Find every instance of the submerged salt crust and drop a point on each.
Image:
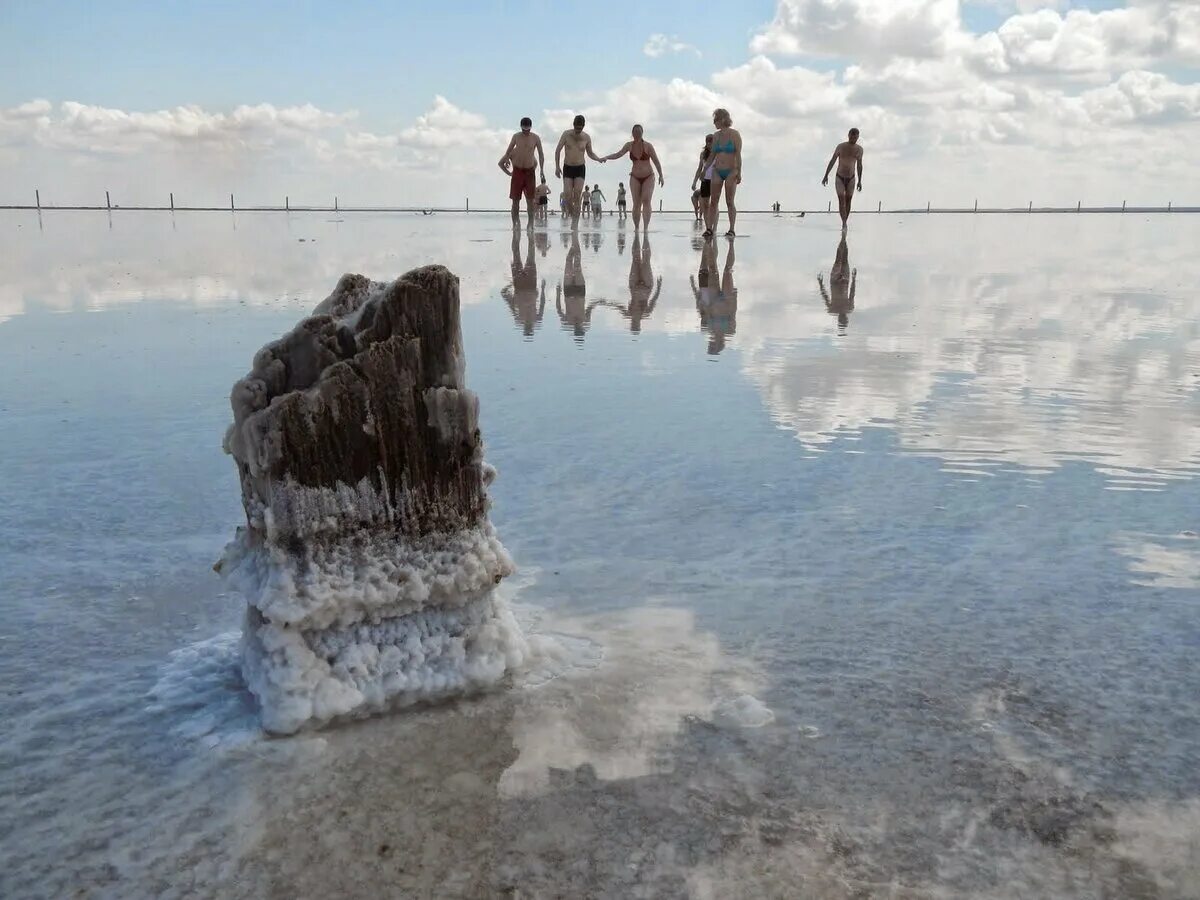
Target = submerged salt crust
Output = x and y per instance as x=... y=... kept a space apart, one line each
x=984 y=684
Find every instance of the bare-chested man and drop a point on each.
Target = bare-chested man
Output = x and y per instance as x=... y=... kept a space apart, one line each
x=518 y=163
x=848 y=156
x=575 y=144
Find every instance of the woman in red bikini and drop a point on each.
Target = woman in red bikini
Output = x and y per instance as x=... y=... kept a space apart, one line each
x=641 y=178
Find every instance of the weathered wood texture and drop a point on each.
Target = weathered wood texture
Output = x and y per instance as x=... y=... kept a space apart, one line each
x=369 y=388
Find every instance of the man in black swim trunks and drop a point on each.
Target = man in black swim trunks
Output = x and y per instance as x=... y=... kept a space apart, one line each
x=543 y=200
x=848 y=156
x=575 y=143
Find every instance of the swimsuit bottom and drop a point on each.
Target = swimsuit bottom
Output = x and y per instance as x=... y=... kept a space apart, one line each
x=574 y=171
x=522 y=182
x=705 y=188
x=543 y=201
x=723 y=174
x=844 y=185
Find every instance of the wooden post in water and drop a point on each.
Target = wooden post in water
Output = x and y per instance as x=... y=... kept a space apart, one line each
x=38 y=199
x=231 y=202
x=976 y=204
x=1122 y=206
x=468 y=204
x=107 y=202
x=1079 y=206
x=335 y=205
x=287 y=202
x=880 y=208
x=828 y=206
x=358 y=451
x=172 y=201
x=928 y=205
x=1031 y=206
x=1168 y=206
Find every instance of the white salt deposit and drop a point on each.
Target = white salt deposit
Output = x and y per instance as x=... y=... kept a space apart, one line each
x=311 y=678
x=363 y=577
x=745 y=711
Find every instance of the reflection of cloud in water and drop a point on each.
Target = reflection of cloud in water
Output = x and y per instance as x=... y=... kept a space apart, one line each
x=1168 y=561
x=1049 y=361
x=658 y=672
x=205 y=261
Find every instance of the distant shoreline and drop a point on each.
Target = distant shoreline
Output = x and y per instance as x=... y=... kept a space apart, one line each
x=1022 y=210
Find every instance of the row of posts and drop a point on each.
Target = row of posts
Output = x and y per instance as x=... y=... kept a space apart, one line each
x=287 y=204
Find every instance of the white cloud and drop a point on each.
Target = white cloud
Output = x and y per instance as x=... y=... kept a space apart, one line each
x=1022 y=6
x=99 y=129
x=660 y=45
x=1143 y=98
x=773 y=91
x=1084 y=43
x=860 y=29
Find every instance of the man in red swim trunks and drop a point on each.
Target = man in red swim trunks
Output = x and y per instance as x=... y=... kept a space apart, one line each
x=518 y=163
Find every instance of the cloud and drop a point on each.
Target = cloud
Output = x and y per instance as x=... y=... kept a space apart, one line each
x=1143 y=98
x=100 y=129
x=1083 y=43
x=1023 y=6
x=857 y=29
x=193 y=150
x=660 y=45
x=773 y=91
x=446 y=125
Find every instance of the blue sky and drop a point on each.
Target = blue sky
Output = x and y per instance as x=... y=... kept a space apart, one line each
x=385 y=60
x=1055 y=99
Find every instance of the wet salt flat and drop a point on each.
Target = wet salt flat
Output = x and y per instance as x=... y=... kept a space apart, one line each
x=882 y=595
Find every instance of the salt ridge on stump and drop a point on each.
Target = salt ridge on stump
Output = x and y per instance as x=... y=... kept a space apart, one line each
x=367 y=560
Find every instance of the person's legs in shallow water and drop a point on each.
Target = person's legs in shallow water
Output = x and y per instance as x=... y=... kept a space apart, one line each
x=635 y=191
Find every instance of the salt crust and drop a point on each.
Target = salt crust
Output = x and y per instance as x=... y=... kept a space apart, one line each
x=347 y=614
x=364 y=576
x=311 y=678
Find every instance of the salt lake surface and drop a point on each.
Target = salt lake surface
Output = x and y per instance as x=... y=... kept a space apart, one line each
x=891 y=595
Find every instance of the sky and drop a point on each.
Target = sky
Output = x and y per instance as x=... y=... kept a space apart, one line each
x=1000 y=101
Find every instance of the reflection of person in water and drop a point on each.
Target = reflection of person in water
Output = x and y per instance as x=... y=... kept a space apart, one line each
x=644 y=288
x=839 y=299
x=621 y=236
x=570 y=296
x=716 y=303
x=522 y=295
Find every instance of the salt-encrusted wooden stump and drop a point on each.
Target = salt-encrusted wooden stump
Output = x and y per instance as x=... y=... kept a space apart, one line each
x=367 y=561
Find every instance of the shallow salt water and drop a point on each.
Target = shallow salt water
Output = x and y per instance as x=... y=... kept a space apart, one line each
x=894 y=597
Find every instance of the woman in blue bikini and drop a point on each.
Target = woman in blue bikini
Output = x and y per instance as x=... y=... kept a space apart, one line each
x=726 y=170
